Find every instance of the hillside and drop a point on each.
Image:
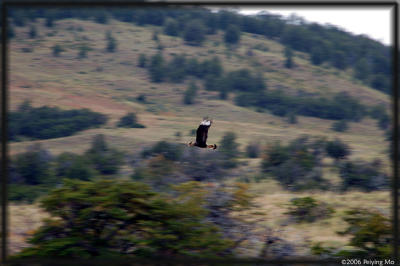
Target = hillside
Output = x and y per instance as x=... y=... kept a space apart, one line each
x=109 y=83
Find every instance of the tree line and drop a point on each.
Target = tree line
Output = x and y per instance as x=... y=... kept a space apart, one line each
x=324 y=44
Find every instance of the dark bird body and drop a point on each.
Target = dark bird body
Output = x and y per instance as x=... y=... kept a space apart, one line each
x=202 y=134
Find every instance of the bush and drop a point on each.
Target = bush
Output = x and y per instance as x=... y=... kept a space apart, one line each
x=32 y=32
x=194 y=32
x=156 y=68
x=340 y=126
x=170 y=151
x=72 y=166
x=363 y=175
x=253 y=150
x=103 y=158
x=190 y=94
x=57 y=50
x=232 y=35
x=337 y=149
x=129 y=120
x=370 y=232
x=171 y=27
x=33 y=167
x=307 y=209
x=51 y=122
x=26 y=193
x=142 y=60
x=121 y=217
x=297 y=166
x=111 y=43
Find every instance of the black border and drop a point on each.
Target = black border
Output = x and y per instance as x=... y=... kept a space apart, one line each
x=121 y=3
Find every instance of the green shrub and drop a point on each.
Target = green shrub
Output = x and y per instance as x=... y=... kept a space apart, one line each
x=367 y=176
x=57 y=50
x=51 y=122
x=104 y=159
x=296 y=165
x=72 y=166
x=370 y=232
x=190 y=94
x=337 y=149
x=253 y=150
x=170 y=151
x=340 y=126
x=142 y=60
x=307 y=209
x=129 y=120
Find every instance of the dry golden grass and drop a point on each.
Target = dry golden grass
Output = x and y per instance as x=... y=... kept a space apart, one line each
x=23 y=220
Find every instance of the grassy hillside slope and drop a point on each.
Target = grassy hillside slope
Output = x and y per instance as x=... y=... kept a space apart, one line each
x=110 y=82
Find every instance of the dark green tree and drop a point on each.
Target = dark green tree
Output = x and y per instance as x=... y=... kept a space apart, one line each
x=340 y=126
x=370 y=234
x=337 y=149
x=33 y=167
x=73 y=166
x=111 y=43
x=57 y=50
x=111 y=218
x=232 y=34
x=171 y=27
x=289 y=57
x=194 y=32
x=104 y=159
x=190 y=94
x=32 y=32
x=83 y=50
x=142 y=60
x=156 y=68
x=367 y=176
x=129 y=120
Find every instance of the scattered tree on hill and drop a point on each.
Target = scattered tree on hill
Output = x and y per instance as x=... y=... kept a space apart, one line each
x=83 y=50
x=194 y=32
x=190 y=94
x=49 y=22
x=101 y=17
x=370 y=232
x=32 y=32
x=318 y=55
x=253 y=150
x=129 y=120
x=171 y=27
x=297 y=165
x=106 y=160
x=337 y=149
x=340 y=126
x=111 y=43
x=289 y=57
x=232 y=35
x=73 y=166
x=229 y=147
x=57 y=49
x=367 y=176
x=307 y=209
x=156 y=68
x=33 y=167
x=142 y=60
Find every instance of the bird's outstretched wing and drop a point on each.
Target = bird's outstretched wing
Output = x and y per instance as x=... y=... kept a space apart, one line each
x=202 y=133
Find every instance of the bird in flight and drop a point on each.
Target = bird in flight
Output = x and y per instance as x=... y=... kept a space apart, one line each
x=201 y=135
